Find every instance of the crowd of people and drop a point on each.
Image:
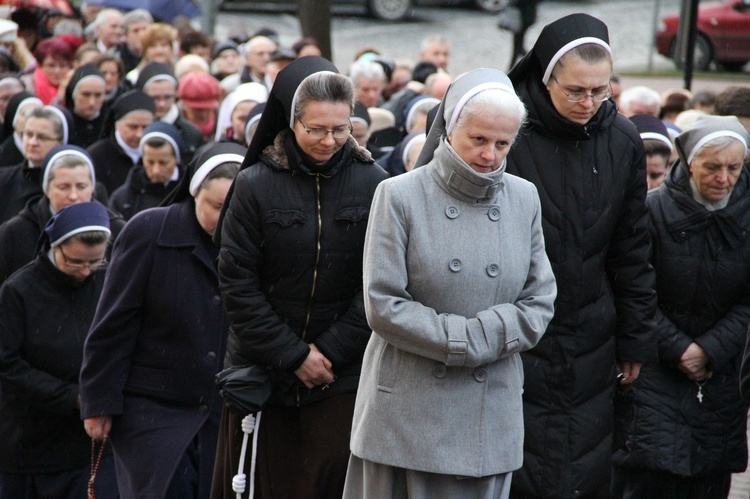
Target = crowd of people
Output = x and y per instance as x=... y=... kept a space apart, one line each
x=532 y=284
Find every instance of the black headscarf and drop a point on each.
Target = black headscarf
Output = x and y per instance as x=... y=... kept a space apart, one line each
x=155 y=71
x=205 y=154
x=132 y=100
x=531 y=74
x=12 y=109
x=84 y=72
x=278 y=111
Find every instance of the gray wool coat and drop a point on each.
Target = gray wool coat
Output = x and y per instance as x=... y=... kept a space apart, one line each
x=457 y=283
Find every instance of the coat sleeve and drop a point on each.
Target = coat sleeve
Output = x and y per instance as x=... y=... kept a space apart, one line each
x=745 y=370
x=118 y=320
x=42 y=390
x=256 y=333
x=725 y=340
x=346 y=339
x=497 y=332
x=630 y=273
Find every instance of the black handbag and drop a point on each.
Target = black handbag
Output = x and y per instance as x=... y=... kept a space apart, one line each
x=245 y=388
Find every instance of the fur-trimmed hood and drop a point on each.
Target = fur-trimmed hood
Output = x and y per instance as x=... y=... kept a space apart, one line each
x=277 y=153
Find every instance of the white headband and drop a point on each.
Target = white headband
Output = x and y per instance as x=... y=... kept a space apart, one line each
x=712 y=136
x=159 y=77
x=208 y=166
x=25 y=102
x=88 y=228
x=491 y=85
x=659 y=137
x=60 y=154
x=64 y=120
x=567 y=48
x=296 y=92
x=85 y=78
x=160 y=135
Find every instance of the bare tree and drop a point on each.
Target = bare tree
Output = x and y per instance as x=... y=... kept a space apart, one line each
x=315 y=22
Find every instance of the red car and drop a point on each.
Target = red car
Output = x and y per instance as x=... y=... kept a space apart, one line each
x=723 y=35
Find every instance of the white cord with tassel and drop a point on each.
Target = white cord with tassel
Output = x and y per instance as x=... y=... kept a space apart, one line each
x=250 y=425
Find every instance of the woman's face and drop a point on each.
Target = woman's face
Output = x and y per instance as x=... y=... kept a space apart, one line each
x=111 y=72
x=208 y=203
x=55 y=69
x=75 y=259
x=239 y=117
x=159 y=162
x=160 y=51
x=228 y=62
x=39 y=137
x=324 y=115
x=69 y=186
x=576 y=75
x=483 y=141
x=89 y=98
x=715 y=170
x=132 y=125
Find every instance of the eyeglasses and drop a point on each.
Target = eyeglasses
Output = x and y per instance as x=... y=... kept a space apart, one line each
x=76 y=264
x=576 y=97
x=39 y=136
x=341 y=132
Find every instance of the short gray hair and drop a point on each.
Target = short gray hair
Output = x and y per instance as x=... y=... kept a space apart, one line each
x=640 y=93
x=324 y=87
x=66 y=161
x=366 y=70
x=495 y=101
x=52 y=117
x=136 y=16
x=103 y=14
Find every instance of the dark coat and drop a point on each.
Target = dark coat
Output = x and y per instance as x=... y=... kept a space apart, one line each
x=702 y=263
x=19 y=184
x=592 y=183
x=291 y=266
x=138 y=193
x=44 y=320
x=19 y=236
x=9 y=153
x=191 y=136
x=86 y=132
x=156 y=342
x=111 y=163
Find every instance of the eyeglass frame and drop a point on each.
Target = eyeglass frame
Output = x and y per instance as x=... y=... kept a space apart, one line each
x=40 y=137
x=92 y=265
x=606 y=95
x=333 y=132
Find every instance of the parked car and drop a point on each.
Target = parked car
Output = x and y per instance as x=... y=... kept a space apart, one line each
x=723 y=35
x=389 y=10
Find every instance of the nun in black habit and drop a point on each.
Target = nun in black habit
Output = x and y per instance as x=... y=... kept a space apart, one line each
x=158 y=338
x=84 y=98
x=116 y=152
x=11 y=149
x=291 y=277
x=588 y=164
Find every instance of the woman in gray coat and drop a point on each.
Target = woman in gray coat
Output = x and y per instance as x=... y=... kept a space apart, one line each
x=457 y=283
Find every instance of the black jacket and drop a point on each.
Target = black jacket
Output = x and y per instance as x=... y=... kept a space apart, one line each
x=156 y=342
x=592 y=184
x=19 y=236
x=111 y=163
x=191 y=136
x=702 y=263
x=9 y=153
x=19 y=184
x=138 y=193
x=44 y=321
x=86 y=132
x=291 y=265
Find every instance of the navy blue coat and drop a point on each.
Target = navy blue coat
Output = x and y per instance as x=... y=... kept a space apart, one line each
x=156 y=342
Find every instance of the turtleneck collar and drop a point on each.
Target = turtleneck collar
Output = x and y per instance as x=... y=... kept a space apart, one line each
x=301 y=161
x=133 y=152
x=460 y=180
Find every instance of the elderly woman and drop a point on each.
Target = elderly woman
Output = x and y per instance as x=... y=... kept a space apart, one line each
x=683 y=423
x=291 y=274
x=19 y=107
x=47 y=309
x=234 y=109
x=588 y=164
x=159 y=337
x=457 y=283
x=68 y=179
x=157 y=45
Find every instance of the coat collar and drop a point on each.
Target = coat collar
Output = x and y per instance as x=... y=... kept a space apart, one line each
x=180 y=229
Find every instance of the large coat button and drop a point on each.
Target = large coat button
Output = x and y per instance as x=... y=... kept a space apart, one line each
x=439 y=371
x=451 y=212
x=203 y=408
x=480 y=375
x=455 y=265
x=211 y=356
x=493 y=270
x=216 y=300
x=494 y=213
